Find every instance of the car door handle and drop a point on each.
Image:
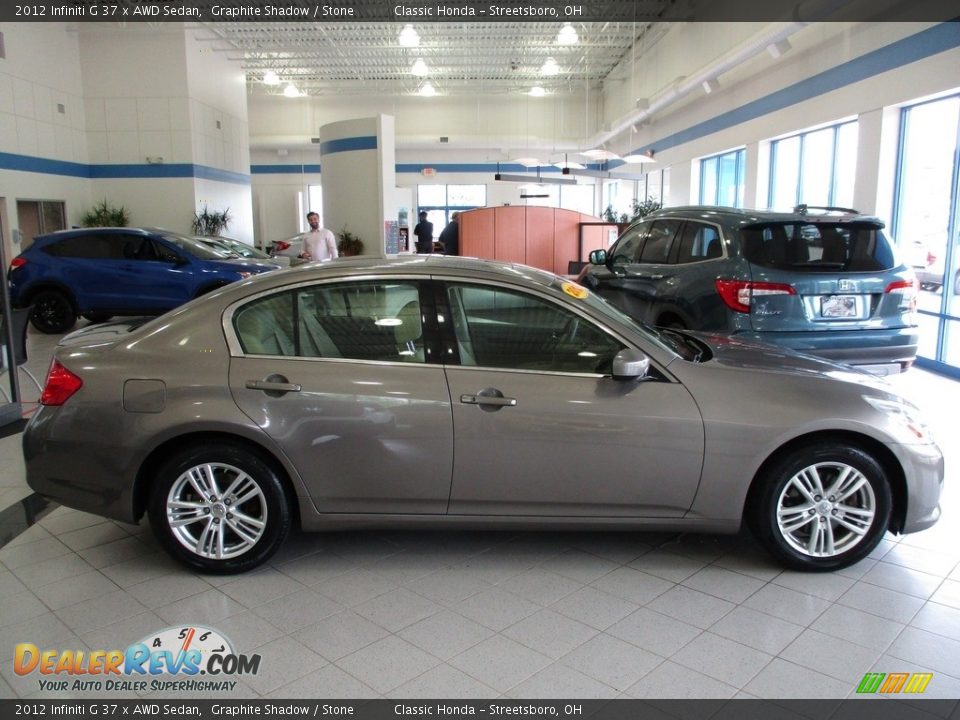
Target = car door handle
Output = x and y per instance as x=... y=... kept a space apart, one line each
x=642 y=276
x=491 y=401
x=274 y=385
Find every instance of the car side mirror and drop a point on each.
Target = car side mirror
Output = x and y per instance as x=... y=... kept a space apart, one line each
x=598 y=257
x=630 y=364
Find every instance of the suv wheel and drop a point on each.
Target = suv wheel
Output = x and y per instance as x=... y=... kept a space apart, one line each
x=53 y=312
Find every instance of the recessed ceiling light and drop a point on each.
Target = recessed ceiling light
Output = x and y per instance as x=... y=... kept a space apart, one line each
x=537 y=91
x=271 y=78
x=420 y=68
x=408 y=37
x=427 y=89
x=567 y=35
x=550 y=67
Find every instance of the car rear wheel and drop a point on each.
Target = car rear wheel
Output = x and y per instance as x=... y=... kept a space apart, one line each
x=822 y=507
x=219 y=508
x=53 y=312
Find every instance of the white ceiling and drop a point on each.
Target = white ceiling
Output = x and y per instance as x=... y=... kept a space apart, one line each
x=364 y=58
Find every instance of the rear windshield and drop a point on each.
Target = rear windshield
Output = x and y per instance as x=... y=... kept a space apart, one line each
x=818 y=247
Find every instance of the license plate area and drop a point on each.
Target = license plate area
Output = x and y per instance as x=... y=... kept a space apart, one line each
x=842 y=307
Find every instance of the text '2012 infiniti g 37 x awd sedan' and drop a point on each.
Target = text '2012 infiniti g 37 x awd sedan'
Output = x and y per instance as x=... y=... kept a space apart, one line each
x=432 y=391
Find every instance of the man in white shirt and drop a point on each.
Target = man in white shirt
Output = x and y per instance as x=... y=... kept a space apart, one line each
x=319 y=243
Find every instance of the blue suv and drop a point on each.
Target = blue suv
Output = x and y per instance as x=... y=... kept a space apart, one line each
x=101 y=272
x=825 y=283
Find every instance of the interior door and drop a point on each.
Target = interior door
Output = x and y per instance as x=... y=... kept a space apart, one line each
x=541 y=430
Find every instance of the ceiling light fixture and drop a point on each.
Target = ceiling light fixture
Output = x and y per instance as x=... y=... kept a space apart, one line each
x=420 y=68
x=644 y=157
x=537 y=91
x=408 y=37
x=291 y=91
x=567 y=35
x=550 y=67
x=427 y=90
x=600 y=154
x=710 y=85
x=505 y=177
x=271 y=78
x=528 y=162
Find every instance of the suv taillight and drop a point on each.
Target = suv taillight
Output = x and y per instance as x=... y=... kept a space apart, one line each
x=738 y=294
x=909 y=289
x=60 y=386
x=17 y=262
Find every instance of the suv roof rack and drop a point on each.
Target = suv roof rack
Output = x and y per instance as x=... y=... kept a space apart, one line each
x=805 y=209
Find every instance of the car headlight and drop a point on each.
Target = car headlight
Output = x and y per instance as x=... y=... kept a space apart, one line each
x=905 y=417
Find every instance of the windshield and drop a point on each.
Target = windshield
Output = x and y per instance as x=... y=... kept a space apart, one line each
x=197 y=249
x=675 y=342
x=818 y=246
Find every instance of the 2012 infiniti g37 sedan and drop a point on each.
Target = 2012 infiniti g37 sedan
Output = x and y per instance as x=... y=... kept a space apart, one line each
x=434 y=391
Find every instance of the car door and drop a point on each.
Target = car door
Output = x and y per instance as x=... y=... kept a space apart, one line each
x=342 y=377
x=648 y=283
x=153 y=276
x=542 y=429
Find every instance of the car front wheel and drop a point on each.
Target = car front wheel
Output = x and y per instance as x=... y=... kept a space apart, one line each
x=823 y=507
x=219 y=508
x=53 y=312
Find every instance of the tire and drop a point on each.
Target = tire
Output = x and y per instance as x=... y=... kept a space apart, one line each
x=210 y=537
x=96 y=317
x=798 y=494
x=53 y=313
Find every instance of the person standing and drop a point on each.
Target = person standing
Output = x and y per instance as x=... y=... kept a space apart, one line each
x=318 y=243
x=450 y=237
x=424 y=233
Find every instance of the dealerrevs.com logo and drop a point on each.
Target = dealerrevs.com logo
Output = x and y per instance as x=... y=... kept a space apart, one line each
x=181 y=654
x=889 y=683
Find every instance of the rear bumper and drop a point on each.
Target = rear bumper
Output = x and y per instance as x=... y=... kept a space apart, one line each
x=895 y=348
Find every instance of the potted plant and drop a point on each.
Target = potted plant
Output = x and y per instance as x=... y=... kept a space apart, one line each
x=210 y=224
x=105 y=215
x=348 y=244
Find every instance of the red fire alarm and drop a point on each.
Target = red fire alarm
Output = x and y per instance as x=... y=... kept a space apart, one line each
x=429 y=172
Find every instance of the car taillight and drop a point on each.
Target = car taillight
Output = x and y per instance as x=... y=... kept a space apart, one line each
x=280 y=246
x=60 y=386
x=931 y=258
x=738 y=294
x=908 y=288
x=17 y=262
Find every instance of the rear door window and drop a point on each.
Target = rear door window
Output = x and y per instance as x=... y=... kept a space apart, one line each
x=699 y=242
x=657 y=247
x=818 y=247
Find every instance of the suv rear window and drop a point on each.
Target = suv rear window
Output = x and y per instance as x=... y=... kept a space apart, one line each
x=818 y=247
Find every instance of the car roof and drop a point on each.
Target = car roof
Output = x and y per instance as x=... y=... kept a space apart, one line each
x=745 y=216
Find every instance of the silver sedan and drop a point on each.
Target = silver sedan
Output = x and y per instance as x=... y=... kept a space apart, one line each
x=433 y=391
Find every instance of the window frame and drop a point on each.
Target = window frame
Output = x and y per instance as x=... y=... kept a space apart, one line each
x=802 y=137
x=739 y=178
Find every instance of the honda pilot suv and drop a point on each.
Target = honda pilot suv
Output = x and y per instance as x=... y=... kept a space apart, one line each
x=101 y=272
x=824 y=283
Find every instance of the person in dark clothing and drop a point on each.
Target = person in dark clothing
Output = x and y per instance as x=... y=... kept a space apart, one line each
x=450 y=237
x=424 y=233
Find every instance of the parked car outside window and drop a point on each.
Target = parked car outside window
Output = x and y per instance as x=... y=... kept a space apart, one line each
x=448 y=391
x=101 y=272
x=828 y=284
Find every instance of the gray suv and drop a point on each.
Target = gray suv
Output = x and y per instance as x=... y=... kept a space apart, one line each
x=822 y=281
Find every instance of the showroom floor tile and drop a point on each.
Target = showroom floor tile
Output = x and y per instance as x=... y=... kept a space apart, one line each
x=474 y=614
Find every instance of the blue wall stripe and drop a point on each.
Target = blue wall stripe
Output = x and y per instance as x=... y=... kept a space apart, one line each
x=924 y=44
x=46 y=166
x=367 y=142
x=283 y=169
x=26 y=163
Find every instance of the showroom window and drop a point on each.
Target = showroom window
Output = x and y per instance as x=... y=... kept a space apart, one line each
x=722 y=179
x=925 y=221
x=441 y=201
x=38 y=217
x=505 y=329
x=814 y=168
x=370 y=320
